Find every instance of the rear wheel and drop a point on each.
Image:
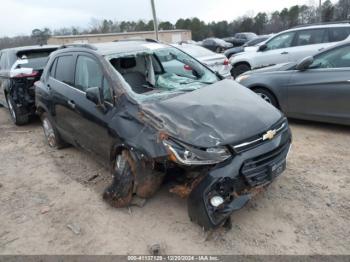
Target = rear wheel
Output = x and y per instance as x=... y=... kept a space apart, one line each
x=267 y=96
x=16 y=115
x=52 y=136
x=239 y=69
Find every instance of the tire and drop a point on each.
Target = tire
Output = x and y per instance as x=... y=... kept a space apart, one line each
x=218 y=50
x=267 y=96
x=239 y=69
x=52 y=136
x=131 y=178
x=17 y=116
x=120 y=192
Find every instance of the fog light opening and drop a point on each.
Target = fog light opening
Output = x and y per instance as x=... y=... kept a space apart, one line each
x=216 y=201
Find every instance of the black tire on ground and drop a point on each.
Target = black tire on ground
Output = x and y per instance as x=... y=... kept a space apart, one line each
x=239 y=69
x=17 y=116
x=52 y=136
x=267 y=96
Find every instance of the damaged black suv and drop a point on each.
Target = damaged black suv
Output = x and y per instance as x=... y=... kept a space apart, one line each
x=131 y=103
x=20 y=67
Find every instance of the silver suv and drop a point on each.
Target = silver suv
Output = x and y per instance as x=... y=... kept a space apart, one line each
x=290 y=46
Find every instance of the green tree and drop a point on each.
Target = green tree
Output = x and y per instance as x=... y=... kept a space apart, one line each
x=41 y=35
x=165 y=25
x=260 y=21
x=327 y=11
x=342 y=10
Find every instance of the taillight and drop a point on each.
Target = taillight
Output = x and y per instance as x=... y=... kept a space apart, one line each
x=24 y=75
x=187 y=67
x=226 y=62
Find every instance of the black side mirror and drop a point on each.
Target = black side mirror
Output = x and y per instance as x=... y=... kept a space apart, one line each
x=94 y=94
x=262 y=48
x=304 y=63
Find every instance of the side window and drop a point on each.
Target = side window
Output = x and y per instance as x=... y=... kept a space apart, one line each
x=336 y=58
x=339 y=34
x=88 y=73
x=281 y=41
x=107 y=92
x=53 y=68
x=64 y=69
x=310 y=37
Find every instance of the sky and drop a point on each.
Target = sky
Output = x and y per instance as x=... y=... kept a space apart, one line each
x=19 y=17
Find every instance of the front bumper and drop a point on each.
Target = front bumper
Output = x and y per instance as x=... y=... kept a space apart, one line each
x=235 y=178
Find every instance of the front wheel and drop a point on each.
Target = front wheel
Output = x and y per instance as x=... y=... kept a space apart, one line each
x=120 y=192
x=267 y=96
x=17 y=116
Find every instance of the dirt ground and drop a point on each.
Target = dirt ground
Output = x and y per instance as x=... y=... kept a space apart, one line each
x=50 y=203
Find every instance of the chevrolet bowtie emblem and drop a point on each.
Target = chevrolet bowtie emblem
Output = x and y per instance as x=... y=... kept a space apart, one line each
x=269 y=134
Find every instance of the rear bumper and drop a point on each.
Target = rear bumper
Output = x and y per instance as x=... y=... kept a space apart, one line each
x=235 y=179
x=24 y=97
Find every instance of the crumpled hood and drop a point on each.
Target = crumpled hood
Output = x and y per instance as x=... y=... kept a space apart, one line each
x=218 y=114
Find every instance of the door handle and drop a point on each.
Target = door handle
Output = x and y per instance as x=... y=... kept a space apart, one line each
x=284 y=53
x=321 y=49
x=71 y=104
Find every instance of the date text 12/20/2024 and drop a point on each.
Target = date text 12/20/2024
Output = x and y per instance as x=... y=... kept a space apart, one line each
x=173 y=258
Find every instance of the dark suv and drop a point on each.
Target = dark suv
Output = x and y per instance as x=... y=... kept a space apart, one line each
x=19 y=68
x=120 y=101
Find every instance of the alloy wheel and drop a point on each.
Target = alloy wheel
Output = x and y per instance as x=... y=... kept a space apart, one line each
x=49 y=133
x=265 y=97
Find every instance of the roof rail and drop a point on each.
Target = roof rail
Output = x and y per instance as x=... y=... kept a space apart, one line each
x=136 y=39
x=78 y=45
x=324 y=23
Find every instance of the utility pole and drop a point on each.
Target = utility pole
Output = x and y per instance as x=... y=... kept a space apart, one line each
x=155 y=21
x=320 y=11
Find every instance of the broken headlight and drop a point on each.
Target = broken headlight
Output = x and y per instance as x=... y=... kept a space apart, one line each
x=188 y=155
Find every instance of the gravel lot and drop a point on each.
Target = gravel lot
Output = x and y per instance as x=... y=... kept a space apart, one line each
x=50 y=203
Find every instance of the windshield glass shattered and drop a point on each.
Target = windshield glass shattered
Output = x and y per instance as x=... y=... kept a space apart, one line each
x=161 y=71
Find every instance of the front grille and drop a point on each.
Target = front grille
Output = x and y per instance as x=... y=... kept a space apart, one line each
x=256 y=171
x=246 y=145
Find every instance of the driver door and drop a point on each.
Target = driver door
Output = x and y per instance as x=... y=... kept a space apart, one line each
x=323 y=91
x=92 y=127
x=277 y=51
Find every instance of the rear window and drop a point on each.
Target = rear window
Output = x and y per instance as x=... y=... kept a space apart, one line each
x=339 y=34
x=310 y=37
x=34 y=59
x=3 y=61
